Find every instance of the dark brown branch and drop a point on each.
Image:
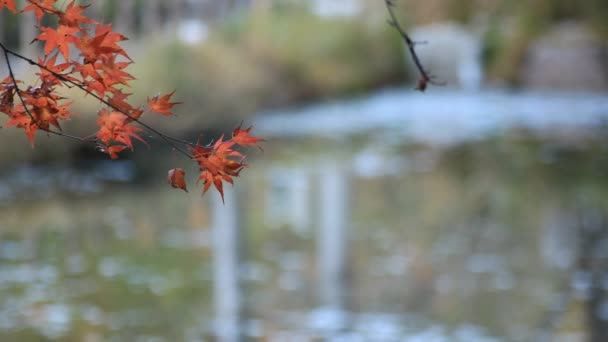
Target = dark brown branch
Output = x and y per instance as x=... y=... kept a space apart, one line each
x=425 y=77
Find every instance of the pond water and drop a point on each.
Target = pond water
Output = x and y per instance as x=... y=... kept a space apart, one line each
x=394 y=217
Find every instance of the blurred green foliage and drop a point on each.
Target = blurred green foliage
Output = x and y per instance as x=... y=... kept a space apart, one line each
x=509 y=27
x=286 y=56
x=269 y=59
x=515 y=25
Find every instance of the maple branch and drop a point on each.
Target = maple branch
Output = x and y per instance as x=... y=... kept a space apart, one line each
x=425 y=77
x=167 y=138
x=102 y=77
x=6 y=52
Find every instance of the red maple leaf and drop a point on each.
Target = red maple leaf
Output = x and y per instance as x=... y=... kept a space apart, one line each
x=160 y=104
x=72 y=16
x=20 y=119
x=7 y=95
x=218 y=163
x=59 y=39
x=53 y=73
x=104 y=42
x=10 y=4
x=114 y=150
x=241 y=137
x=111 y=39
x=175 y=177
x=114 y=128
x=40 y=7
x=118 y=102
x=112 y=71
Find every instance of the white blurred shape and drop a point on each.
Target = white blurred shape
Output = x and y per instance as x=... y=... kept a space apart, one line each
x=337 y=8
x=192 y=31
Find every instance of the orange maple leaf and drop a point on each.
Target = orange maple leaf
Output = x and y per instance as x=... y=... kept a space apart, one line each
x=59 y=39
x=40 y=109
x=49 y=70
x=114 y=150
x=241 y=137
x=86 y=70
x=40 y=7
x=118 y=102
x=218 y=163
x=10 y=4
x=7 y=95
x=22 y=120
x=73 y=15
x=112 y=71
x=114 y=128
x=160 y=104
x=175 y=177
x=104 y=42
x=111 y=37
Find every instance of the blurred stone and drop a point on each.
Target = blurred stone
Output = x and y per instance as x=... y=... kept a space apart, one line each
x=450 y=52
x=569 y=56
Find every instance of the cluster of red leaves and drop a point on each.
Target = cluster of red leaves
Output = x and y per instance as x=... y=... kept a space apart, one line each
x=78 y=52
x=218 y=162
x=82 y=53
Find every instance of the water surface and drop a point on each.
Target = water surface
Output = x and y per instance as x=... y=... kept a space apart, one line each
x=467 y=217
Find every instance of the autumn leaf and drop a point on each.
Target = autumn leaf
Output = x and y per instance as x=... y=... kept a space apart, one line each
x=102 y=77
x=10 y=4
x=241 y=137
x=7 y=95
x=160 y=104
x=218 y=163
x=175 y=178
x=21 y=120
x=73 y=15
x=87 y=70
x=59 y=39
x=115 y=128
x=119 y=102
x=40 y=7
x=102 y=43
x=39 y=109
x=208 y=178
x=112 y=71
x=114 y=150
x=111 y=39
x=53 y=73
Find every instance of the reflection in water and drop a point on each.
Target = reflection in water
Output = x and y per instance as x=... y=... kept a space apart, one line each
x=334 y=237
x=498 y=238
x=43 y=182
x=226 y=264
x=288 y=199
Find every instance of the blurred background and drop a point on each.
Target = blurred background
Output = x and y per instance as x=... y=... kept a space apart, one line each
x=477 y=211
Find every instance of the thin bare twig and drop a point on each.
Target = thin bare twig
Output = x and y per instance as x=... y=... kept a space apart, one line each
x=425 y=77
